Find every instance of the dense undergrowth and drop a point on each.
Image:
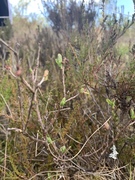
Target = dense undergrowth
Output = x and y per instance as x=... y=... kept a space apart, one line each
x=68 y=99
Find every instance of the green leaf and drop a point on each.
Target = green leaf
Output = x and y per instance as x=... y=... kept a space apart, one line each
x=59 y=60
x=111 y=103
x=49 y=175
x=49 y=140
x=63 y=102
x=132 y=113
x=63 y=149
x=84 y=91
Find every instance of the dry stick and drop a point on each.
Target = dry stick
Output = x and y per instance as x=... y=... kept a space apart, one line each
x=63 y=80
x=36 y=148
x=5 y=153
x=6 y=105
x=15 y=129
x=73 y=139
x=37 y=65
x=9 y=47
x=73 y=97
x=5 y=158
x=31 y=103
x=27 y=85
x=12 y=74
x=29 y=111
x=20 y=100
x=38 y=112
x=60 y=110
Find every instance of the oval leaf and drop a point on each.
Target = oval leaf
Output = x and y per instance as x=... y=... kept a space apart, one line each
x=132 y=113
x=49 y=140
x=63 y=149
x=63 y=102
x=59 y=60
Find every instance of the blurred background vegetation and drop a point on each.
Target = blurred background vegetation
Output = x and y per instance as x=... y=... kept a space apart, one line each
x=67 y=93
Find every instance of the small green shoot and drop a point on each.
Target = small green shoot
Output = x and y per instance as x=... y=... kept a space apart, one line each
x=49 y=140
x=59 y=60
x=63 y=149
x=132 y=113
x=111 y=103
x=63 y=102
x=84 y=91
x=49 y=176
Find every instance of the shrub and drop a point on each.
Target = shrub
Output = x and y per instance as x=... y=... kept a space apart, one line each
x=71 y=106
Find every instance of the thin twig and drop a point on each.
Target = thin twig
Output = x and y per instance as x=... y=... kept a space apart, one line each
x=73 y=97
x=27 y=85
x=12 y=74
x=29 y=110
x=37 y=65
x=5 y=156
x=36 y=148
x=5 y=153
x=73 y=139
x=9 y=47
x=6 y=105
x=60 y=110
x=38 y=112
x=14 y=129
x=63 y=80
